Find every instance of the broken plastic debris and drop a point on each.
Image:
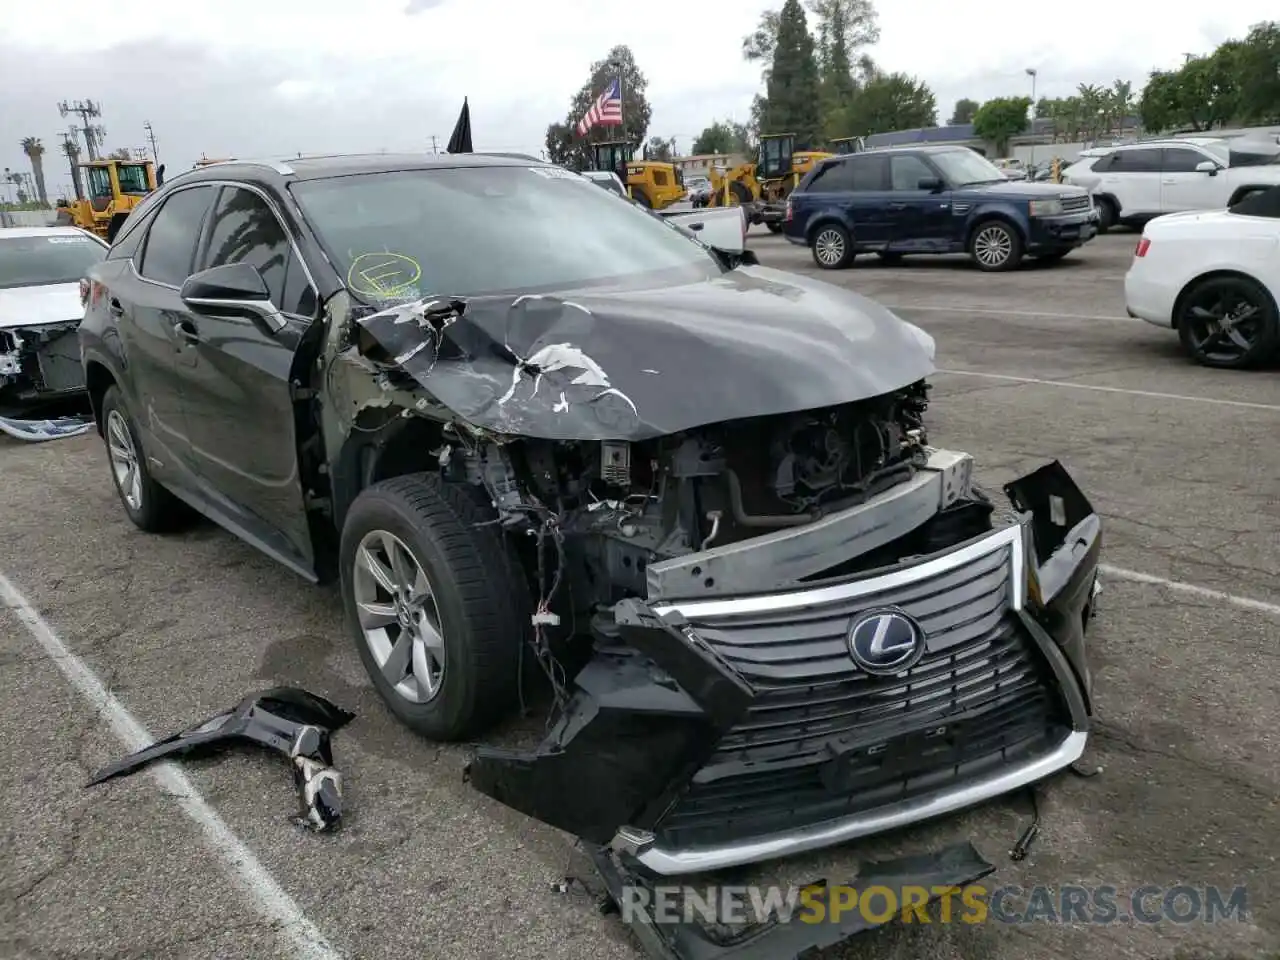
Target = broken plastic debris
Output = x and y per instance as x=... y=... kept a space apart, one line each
x=38 y=430
x=290 y=721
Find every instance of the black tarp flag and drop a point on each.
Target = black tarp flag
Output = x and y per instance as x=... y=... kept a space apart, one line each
x=460 y=142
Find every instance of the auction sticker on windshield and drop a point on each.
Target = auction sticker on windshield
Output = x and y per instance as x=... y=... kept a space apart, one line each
x=384 y=275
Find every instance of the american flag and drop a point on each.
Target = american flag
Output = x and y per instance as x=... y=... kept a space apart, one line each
x=605 y=112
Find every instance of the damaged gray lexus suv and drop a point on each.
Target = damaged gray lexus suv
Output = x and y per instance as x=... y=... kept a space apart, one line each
x=534 y=431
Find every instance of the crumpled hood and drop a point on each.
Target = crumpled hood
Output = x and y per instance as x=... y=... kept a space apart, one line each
x=32 y=306
x=630 y=364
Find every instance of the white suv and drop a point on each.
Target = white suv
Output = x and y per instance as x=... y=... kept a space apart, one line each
x=1135 y=182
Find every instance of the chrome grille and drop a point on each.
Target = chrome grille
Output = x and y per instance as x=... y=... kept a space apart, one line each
x=981 y=697
x=1075 y=204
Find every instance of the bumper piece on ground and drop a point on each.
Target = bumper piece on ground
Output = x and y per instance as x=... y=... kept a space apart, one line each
x=784 y=938
x=290 y=721
x=52 y=429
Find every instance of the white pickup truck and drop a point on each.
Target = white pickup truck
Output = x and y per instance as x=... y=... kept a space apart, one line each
x=724 y=228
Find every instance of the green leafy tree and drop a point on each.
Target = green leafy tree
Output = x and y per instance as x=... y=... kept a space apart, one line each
x=1001 y=119
x=660 y=148
x=792 y=92
x=566 y=148
x=723 y=136
x=1258 y=63
x=838 y=84
x=964 y=111
x=888 y=102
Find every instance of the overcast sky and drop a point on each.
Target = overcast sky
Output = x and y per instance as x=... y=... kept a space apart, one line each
x=262 y=77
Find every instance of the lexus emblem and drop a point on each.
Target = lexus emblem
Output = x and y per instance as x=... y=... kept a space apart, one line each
x=885 y=641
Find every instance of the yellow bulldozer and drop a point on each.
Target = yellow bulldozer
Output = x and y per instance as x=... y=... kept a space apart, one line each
x=763 y=185
x=651 y=183
x=113 y=188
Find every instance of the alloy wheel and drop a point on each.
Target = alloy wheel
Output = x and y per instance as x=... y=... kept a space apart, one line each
x=1224 y=325
x=398 y=616
x=993 y=246
x=829 y=247
x=124 y=460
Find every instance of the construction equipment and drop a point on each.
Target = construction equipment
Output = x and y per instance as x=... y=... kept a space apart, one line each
x=651 y=183
x=114 y=187
x=763 y=185
x=843 y=146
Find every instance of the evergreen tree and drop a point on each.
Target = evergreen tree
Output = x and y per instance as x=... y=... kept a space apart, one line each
x=793 y=92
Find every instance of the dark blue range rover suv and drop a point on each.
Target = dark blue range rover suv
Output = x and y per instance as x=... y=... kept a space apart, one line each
x=933 y=200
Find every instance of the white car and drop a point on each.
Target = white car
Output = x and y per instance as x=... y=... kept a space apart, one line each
x=1215 y=278
x=41 y=270
x=1134 y=182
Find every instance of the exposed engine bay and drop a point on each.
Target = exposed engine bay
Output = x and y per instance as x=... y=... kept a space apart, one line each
x=617 y=506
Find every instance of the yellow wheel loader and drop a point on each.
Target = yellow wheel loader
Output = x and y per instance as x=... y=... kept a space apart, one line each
x=651 y=183
x=762 y=186
x=113 y=188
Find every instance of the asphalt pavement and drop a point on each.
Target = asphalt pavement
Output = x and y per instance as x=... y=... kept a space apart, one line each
x=101 y=625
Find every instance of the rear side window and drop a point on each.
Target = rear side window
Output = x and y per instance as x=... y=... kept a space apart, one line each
x=1147 y=160
x=171 y=242
x=856 y=175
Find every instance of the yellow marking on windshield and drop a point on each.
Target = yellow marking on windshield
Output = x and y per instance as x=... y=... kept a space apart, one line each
x=383 y=274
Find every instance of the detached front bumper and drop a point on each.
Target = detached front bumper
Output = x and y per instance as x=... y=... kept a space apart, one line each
x=719 y=731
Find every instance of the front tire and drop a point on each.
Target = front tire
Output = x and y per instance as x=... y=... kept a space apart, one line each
x=435 y=603
x=995 y=246
x=150 y=506
x=832 y=247
x=1228 y=323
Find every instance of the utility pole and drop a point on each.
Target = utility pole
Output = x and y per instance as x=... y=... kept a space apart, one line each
x=433 y=144
x=86 y=110
x=151 y=136
x=71 y=147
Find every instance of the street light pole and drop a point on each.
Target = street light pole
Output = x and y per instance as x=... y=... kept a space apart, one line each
x=1032 y=74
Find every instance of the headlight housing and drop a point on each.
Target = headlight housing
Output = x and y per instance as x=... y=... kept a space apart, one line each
x=1046 y=208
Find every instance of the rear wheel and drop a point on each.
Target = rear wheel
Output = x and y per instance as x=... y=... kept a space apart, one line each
x=832 y=248
x=1106 y=213
x=1228 y=322
x=436 y=604
x=150 y=506
x=995 y=246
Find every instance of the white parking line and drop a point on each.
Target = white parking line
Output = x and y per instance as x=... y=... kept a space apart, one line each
x=1100 y=389
x=1260 y=606
x=1002 y=312
x=261 y=888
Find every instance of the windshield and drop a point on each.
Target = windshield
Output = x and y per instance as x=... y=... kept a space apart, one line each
x=46 y=259
x=963 y=167
x=469 y=231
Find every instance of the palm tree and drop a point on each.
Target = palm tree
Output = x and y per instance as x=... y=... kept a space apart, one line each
x=34 y=150
x=71 y=147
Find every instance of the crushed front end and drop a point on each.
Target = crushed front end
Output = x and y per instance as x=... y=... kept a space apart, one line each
x=775 y=672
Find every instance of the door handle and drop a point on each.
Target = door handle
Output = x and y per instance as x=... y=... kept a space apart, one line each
x=897 y=206
x=1170 y=182
x=186 y=330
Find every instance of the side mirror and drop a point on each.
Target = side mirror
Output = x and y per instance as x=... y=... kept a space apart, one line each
x=234 y=288
x=932 y=184
x=1207 y=166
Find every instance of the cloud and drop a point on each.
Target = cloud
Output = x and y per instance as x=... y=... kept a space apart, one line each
x=350 y=78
